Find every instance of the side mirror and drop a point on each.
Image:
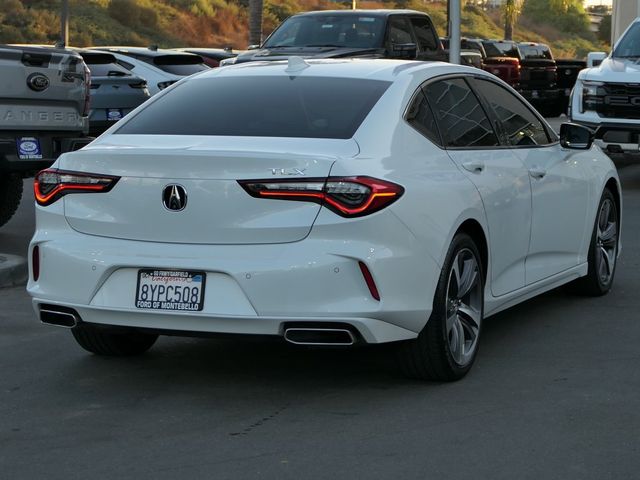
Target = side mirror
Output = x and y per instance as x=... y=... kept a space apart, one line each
x=404 y=50
x=595 y=58
x=253 y=47
x=575 y=137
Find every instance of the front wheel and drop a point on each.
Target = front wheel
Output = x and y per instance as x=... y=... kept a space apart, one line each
x=603 y=250
x=446 y=347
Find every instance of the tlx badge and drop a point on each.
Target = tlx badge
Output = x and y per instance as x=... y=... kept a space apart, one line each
x=288 y=171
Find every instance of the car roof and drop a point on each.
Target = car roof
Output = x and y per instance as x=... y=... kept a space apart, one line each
x=382 y=12
x=149 y=52
x=374 y=69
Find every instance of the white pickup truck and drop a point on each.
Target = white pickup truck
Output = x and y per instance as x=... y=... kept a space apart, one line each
x=44 y=106
x=606 y=97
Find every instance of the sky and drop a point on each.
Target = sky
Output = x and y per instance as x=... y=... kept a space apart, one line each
x=597 y=2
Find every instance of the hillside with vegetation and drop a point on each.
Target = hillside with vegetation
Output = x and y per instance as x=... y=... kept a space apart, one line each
x=219 y=23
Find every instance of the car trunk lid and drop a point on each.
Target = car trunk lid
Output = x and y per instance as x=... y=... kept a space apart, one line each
x=218 y=210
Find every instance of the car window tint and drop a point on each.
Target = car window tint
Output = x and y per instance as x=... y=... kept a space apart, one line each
x=460 y=116
x=424 y=33
x=421 y=118
x=261 y=106
x=519 y=123
x=398 y=31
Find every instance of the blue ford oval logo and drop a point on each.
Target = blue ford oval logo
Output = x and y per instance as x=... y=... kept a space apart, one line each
x=38 y=82
x=29 y=147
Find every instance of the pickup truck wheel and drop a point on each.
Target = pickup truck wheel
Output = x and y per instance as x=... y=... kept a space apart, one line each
x=10 y=196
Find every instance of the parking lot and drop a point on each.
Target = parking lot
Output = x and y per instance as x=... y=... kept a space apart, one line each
x=553 y=394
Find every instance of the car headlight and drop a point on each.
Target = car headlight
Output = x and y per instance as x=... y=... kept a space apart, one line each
x=591 y=88
x=228 y=61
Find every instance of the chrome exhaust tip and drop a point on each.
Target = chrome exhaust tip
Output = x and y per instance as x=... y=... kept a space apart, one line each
x=58 y=316
x=319 y=336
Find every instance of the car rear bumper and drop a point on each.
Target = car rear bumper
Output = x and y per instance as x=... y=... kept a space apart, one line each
x=52 y=145
x=250 y=289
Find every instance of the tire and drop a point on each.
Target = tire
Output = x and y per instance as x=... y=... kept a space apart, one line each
x=10 y=196
x=114 y=344
x=603 y=250
x=446 y=347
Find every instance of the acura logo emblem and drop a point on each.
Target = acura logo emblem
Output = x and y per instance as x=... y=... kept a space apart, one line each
x=174 y=197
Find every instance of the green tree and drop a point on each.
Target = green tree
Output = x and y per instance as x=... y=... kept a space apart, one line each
x=510 y=13
x=568 y=16
x=604 y=31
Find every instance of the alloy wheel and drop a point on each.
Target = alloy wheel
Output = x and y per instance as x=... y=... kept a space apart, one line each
x=606 y=241
x=463 y=306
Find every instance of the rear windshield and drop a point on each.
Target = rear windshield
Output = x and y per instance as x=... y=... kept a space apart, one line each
x=180 y=64
x=353 y=31
x=499 y=49
x=261 y=106
x=107 y=70
x=535 y=52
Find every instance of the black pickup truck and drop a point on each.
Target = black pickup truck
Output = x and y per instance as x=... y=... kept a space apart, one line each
x=539 y=78
x=403 y=34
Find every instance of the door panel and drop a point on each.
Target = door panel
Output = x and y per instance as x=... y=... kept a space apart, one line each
x=559 y=210
x=504 y=186
x=500 y=177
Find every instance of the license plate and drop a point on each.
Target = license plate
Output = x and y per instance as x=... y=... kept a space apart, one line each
x=114 y=114
x=29 y=148
x=534 y=94
x=170 y=290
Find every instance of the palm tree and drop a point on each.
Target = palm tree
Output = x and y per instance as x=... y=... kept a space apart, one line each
x=255 y=22
x=510 y=12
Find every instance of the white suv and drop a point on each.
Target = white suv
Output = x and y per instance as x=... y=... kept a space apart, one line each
x=606 y=97
x=159 y=67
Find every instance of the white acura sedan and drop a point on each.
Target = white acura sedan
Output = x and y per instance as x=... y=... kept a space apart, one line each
x=327 y=202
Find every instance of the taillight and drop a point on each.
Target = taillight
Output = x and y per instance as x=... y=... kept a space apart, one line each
x=35 y=263
x=346 y=196
x=52 y=184
x=87 y=93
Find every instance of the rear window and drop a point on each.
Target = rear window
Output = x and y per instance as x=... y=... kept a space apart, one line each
x=107 y=70
x=499 y=49
x=180 y=64
x=261 y=106
x=536 y=52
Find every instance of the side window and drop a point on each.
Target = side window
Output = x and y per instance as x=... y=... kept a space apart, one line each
x=461 y=118
x=398 y=31
x=520 y=125
x=421 y=118
x=425 y=34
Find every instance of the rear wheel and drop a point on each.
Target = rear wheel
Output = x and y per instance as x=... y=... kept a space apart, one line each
x=104 y=342
x=603 y=250
x=446 y=348
x=10 y=196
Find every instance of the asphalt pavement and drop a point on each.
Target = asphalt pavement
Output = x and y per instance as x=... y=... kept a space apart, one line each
x=554 y=394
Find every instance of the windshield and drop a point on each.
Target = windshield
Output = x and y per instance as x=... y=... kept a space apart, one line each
x=261 y=106
x=354 y=31
x=500 y=49
x=629 y=45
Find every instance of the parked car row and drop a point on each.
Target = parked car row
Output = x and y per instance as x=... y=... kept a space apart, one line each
x=528 y=67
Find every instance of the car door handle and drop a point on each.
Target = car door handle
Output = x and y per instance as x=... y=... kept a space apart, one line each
x=474 y=166
x=536 y=172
